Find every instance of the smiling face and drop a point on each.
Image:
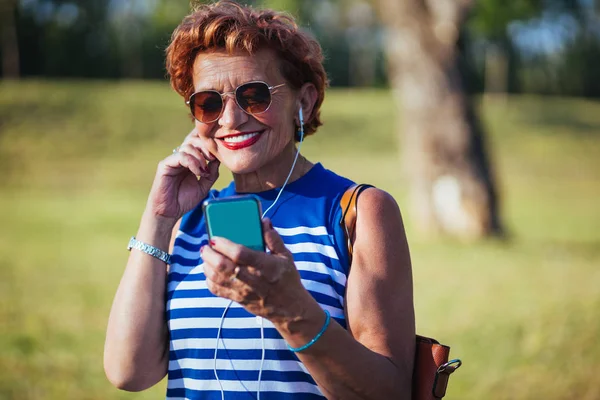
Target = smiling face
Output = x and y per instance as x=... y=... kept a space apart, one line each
x=245 y=143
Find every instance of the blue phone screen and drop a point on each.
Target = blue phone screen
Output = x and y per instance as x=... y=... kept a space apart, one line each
x=237 y=219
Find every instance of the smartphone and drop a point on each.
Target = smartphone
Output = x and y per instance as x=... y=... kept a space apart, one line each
x=237 y=218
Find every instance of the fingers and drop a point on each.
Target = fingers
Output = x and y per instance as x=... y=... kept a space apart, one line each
x=194 y=160
x=198 y=167
x=225 y=279
x=176 y=162
x=196 y=153
x=199 y=143
x=217 y=268
x=240 y=255
x=187 y=161
x=263 y=283
x=213 y=169
x=259 y=264
x=211 y=177
x=272 y=239
x=226 y=272
x=236 y=291
x=203 y=144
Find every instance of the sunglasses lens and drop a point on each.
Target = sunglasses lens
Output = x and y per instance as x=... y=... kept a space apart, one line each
x=206 y=106
x=253 y=97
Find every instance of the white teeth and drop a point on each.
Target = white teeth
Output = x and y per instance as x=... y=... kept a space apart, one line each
x=240 y=138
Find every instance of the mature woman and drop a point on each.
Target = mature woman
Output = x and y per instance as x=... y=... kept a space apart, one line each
x=296 y=321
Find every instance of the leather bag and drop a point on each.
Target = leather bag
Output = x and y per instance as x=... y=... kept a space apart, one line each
x=432 y=369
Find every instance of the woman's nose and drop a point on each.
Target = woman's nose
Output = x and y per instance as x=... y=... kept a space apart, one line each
x=232 y=115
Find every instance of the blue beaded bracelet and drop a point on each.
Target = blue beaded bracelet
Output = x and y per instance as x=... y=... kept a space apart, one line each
x=313 y=340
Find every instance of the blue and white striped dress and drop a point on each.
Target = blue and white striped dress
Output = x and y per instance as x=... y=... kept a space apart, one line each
x=307 y=217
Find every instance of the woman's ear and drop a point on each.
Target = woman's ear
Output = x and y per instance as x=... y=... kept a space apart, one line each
x=307 y=99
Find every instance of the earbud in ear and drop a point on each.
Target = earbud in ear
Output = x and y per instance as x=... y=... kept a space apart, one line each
x=301 y=124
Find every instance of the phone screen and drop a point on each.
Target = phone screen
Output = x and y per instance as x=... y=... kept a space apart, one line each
x=235 y=218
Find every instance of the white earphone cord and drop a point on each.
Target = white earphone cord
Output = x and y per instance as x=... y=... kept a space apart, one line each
x=293 y=164
x=217 y=349
x=262 y=328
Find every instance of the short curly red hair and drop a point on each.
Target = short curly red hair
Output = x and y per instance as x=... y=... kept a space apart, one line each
x=229 y=26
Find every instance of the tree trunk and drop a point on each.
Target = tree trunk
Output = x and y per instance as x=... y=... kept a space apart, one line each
x=8 y=40
x=451 y=184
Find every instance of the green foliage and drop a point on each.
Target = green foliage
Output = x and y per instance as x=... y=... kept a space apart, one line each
x=99 y=42
x=77 y=160
x=572 y=74
x=490 y=18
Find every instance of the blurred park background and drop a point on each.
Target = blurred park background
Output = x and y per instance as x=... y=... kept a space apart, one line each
x=86 y=113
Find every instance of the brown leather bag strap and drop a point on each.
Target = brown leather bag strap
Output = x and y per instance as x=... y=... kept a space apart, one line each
x=431 y=368
x=349 y=207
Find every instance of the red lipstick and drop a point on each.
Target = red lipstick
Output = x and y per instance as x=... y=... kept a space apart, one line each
x=241 y=145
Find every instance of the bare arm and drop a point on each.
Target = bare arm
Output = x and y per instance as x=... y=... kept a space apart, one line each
x=136 y=351
x=379 y=305
x=381 y=337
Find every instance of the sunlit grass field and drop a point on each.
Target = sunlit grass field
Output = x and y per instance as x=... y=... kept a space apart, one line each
x=77 y=160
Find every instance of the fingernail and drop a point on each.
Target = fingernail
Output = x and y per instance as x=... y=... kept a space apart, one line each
x=212 y=242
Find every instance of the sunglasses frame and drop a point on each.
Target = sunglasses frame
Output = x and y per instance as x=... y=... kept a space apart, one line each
x=224 y=94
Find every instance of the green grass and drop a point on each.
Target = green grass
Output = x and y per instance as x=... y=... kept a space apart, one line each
x=77 y=160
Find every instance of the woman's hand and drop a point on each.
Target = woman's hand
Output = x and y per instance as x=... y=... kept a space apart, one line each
x=183 y=179
x=267 y=285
